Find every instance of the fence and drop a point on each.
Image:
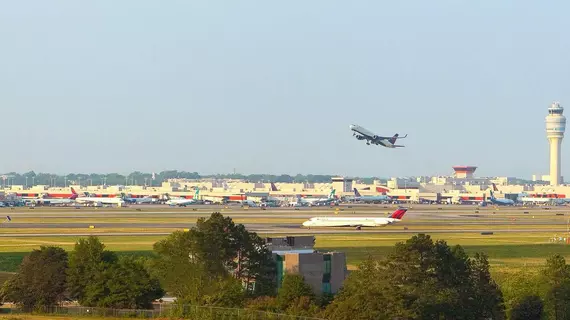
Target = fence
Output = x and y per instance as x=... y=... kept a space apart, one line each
x=170 y=311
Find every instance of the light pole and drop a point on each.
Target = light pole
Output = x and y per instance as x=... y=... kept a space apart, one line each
x=26 y=182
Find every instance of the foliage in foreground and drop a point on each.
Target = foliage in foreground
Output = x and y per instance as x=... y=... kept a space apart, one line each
x=420 y=279
x=216 y=263
x=40 y=280
x=219 y=263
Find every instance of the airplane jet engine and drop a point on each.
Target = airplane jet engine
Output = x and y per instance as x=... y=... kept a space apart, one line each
x=359 y=137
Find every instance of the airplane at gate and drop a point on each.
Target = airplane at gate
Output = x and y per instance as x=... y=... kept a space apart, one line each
x=357 y=222
x=55 y=201
x=97 y=200
x=370 y=199
x=318 y=201
x=182 y=202
x=501 y=202
x=362 y=134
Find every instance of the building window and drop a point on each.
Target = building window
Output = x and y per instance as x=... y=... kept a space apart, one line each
x=327 y=268
x=326 y=287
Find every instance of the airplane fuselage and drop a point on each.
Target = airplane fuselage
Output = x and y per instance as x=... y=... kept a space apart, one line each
x=348 y=222
x=363 y=134
x=117 y=201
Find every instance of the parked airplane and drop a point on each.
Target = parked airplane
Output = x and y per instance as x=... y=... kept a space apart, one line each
x=89 y=199
x=362 y=134
x=318 y=201
x=357 y=222
x=370 y=199
x=501 y=202
x=147 y=199
x=56 y=201
x=183 y=202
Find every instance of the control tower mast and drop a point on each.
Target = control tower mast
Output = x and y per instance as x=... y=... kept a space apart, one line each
x=555 y=128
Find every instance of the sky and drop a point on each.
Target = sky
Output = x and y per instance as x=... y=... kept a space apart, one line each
x=272 y=86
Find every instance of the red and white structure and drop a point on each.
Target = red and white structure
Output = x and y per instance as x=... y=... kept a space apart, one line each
x=464 y=172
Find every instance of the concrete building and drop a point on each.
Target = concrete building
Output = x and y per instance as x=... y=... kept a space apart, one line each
x=342 y=184
x=464 y=172
x=555 y=128
x=325 y=272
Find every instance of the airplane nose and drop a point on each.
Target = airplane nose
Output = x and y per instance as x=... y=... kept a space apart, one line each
x=351 y=126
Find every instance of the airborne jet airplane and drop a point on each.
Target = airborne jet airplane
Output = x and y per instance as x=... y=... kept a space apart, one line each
x=362 y=134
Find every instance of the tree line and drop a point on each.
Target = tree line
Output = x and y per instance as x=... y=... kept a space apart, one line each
x=147 y=178
x=219 y=263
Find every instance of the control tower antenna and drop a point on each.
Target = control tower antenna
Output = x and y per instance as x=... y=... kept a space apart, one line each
x=555 y=128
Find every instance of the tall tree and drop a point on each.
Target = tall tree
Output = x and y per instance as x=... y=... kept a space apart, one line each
x=557 y=276
x=295 y=295
x=87 y=264
x=40 y=281
x=129 y=286
x=420 y=279
x=528 y=308
x=211 y=251
x=488 y=298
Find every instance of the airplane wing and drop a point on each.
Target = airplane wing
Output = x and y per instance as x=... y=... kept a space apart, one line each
x=395 y=137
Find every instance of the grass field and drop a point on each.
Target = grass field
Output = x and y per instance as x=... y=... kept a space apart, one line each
x=51 y=317
x=505 y=249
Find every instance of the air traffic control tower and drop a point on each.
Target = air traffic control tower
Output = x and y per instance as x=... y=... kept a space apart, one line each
x=555 y=127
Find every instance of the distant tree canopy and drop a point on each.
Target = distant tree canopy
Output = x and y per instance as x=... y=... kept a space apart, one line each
x=142 y=178
x=420 y=279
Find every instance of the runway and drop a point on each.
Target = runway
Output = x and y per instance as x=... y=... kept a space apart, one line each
x=261 y=232
x=142 y=219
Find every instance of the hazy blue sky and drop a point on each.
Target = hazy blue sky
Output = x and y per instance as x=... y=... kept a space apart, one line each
x=271 y=87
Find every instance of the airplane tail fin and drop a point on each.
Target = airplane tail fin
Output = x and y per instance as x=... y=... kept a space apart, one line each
x=398 y=214
x=74 y=194
x=394 y=138
x=331 y=195
x=273 y=187
x=356 y=193
x=196 y=194
x=495 y=187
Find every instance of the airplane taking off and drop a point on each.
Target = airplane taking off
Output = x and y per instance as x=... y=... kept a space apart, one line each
x=357 y=222
x=362 y=134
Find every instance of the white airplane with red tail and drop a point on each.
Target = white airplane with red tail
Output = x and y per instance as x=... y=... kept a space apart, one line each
x=357 y=222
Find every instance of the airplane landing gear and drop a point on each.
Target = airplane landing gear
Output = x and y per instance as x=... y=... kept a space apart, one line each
x=359 y=228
